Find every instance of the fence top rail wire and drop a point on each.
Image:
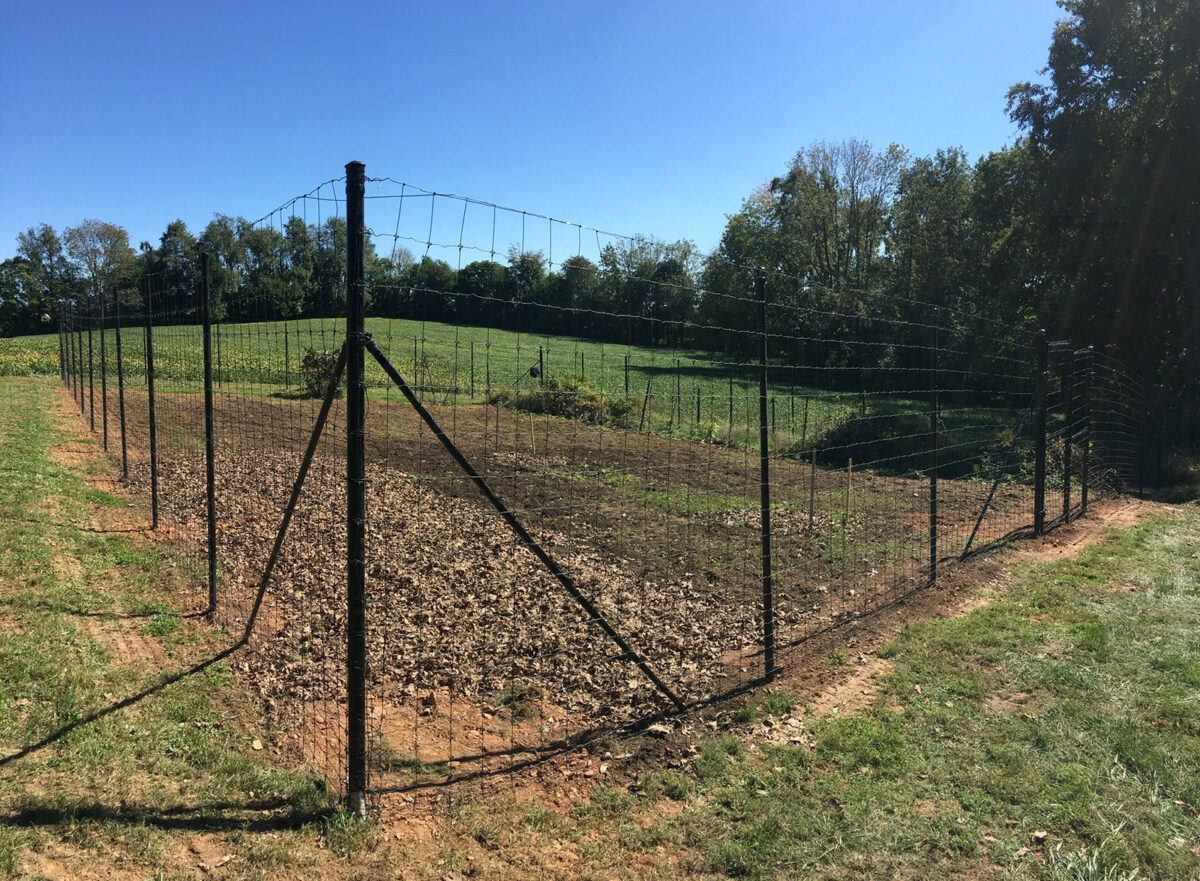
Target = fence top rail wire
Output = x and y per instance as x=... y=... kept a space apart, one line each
x=769 y=272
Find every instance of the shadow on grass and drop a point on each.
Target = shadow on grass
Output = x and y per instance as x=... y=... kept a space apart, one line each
x=270 y=815
x=162 y=684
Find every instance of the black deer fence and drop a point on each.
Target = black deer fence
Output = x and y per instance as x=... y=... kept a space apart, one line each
x=470 y=511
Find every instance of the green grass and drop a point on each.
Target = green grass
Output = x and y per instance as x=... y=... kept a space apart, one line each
x=451 y=364
x=1069 y=707
x=119 y=783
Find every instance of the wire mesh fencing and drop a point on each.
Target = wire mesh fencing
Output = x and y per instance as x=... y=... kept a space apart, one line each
x=476 y=487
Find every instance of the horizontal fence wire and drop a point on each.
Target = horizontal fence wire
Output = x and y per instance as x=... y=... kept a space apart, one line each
x=611 y=395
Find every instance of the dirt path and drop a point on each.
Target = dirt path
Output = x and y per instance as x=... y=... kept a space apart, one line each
x=849 y=689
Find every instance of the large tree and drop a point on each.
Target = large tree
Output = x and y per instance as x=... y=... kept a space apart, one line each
x=1113 y=138
x=99 y=250
x=47 y=264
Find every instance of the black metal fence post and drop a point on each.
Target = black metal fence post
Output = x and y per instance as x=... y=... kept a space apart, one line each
x=104 y=369
x=91 y=377
x=79 y=350
x=356 y=656
x=121 y=386
x=1068 y=394
x=149 y=327
x=209 y=440
x=1085 y=465
x=1143 y=412
x=1039 y=463
x=933 y=450
x=62 y=359
x=1160 y=431
x=70 y=338
x=768 y=592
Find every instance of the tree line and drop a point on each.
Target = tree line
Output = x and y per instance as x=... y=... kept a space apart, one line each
x=1087 y=226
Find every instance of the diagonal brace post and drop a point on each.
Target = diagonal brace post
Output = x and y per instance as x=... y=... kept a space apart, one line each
x=563 y=578
x=297 y=486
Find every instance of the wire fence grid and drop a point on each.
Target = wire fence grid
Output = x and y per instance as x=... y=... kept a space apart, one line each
x=534 y=488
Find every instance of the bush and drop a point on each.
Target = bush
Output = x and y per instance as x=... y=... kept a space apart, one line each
x=571 y=400
x=316 y=369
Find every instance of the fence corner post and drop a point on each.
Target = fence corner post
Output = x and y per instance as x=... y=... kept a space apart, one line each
x=209 y=439
x=768 y=592
x=1039 y=464
x=356 y=654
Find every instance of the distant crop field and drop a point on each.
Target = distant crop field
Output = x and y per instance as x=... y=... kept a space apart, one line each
x=684 y=393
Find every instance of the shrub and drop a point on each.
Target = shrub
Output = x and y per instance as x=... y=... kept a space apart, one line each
x=316 y=369
x=572 y=400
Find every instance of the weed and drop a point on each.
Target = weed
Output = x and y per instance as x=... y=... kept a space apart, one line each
x=161 y=624
x=668 y=783
x=778 y=702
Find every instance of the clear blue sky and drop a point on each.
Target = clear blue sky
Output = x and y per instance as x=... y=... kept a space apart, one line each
x=651 y=117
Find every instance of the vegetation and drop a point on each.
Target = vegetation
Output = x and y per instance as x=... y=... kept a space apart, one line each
x=116 y=785
x=316 y=371
x=1035 y=235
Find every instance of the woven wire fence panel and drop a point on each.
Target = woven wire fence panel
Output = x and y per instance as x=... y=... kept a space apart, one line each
x=619 y=411
x=604 y=483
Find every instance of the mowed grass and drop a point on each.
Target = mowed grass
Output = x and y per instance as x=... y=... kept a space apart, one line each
x=131 y=789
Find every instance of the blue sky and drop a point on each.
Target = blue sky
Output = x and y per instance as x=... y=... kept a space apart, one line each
x=650 y=117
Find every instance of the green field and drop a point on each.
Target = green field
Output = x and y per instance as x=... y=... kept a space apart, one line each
x=681 y=392
x=450 y=364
